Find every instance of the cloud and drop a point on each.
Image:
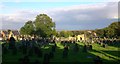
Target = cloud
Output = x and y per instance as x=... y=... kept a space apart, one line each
x=84 y=16
x=17 y=19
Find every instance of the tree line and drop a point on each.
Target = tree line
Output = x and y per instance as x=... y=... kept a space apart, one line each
x=44 y=26
x=111 y=31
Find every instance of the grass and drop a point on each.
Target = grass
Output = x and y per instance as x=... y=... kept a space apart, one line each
x=108 y=54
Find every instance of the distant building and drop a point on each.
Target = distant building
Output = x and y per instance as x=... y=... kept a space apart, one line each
x=80 y=37
x=1 y=37
x=4 y=34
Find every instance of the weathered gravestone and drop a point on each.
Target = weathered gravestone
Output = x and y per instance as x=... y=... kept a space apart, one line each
x=65 y=52
x=98 y=60
x=46 y=59
x=76 y=47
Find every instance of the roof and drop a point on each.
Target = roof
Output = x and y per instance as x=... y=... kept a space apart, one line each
x=0 y=35
x=16 y=32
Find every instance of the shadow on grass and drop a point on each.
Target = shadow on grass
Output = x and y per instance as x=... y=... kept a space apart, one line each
x=114 y=44
x=111 y=55
x=79 y=57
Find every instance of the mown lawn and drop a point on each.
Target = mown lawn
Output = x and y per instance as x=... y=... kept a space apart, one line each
x=108 y=55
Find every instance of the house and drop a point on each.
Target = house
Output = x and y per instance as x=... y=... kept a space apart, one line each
x=1 y=37
x=4 y=34
x=81 y=37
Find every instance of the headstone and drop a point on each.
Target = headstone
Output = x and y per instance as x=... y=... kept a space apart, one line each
x=12 y=43
x=104 y=45
x=65 y=52
x=90 y=46
x=37 y=62
x=26 y=60
x=30 y=52
x=51 y=55
x=53 y=48
x=4 y=49
x=46 y=59
x=97 y=60
x=76 y=48
x=85 y=48
x=14 y=51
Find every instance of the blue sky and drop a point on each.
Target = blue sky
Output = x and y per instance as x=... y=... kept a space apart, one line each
x=12 y=6
x=67 y=15
x=59 y=0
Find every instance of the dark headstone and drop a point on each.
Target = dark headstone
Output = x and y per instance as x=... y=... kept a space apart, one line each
x=97 y=60
x=46 y=59
x=26 y=60
x=14 y=51
x=90 y=47
x=51 y=55
x=11 y=43
x=53 y=48
x=104 y=45
x=36 y=62
x=65 y=52
x=85 y=48
x=76 y=48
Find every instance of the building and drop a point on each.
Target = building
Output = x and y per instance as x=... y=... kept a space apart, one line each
x=80 y=37
x=5 y=34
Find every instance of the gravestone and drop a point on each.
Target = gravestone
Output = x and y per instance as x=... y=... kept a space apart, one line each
x=85 y=48
x=76 y=48
x=51 y=55
x=11 y=43
x=46 y=59
x=90 y=47
x=104 y=45
x=65 y=52
x=97 y=60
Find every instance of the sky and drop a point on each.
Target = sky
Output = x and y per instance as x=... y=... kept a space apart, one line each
x=68 y=15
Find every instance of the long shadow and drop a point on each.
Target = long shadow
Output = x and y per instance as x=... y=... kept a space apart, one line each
x=116 y=60
x=113 y=53
x=114 y=44
x=79 y=57
x=73 y=57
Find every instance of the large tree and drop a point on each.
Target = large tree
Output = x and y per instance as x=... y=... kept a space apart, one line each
x=28 y=28
x=42 y=26
x=113 y=30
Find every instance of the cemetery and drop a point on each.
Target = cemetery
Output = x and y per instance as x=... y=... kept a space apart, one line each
x=38 y=42
x=33 y=50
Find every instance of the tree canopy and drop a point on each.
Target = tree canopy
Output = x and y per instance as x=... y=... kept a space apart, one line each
x=42 y=26
x=113 y=30
x=64 y=34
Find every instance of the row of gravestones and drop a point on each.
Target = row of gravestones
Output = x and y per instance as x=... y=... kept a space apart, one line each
x=105 y=43
x=28 y=51
x=102 y=44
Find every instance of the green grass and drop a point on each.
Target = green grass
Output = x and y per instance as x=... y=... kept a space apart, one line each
x=106 y=54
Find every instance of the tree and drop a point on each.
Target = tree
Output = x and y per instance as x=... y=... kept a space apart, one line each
x=65 y=34
x=28 y=28
x=41 y=26
x=113 y=30
x=44 y=25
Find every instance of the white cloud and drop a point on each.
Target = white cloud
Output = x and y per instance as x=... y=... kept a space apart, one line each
x=85 y=16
